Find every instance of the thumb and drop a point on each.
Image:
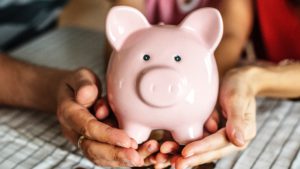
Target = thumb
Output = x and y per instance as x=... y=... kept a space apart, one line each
x=85 y=86
x=235 y=131
x=241 y=124
x=233 y=109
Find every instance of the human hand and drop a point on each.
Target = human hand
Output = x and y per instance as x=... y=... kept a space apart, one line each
x=102 y=144
x=170 y=150
x=146 y=150
x=237 y=101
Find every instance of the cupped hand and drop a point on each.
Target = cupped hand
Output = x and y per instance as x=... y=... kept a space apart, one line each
x=103 y=144
x=170 y=151
x=237 y=101
x=147 y=150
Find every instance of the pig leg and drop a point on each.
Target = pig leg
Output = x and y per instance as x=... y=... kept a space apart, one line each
x=137 y=131
x=186 y=134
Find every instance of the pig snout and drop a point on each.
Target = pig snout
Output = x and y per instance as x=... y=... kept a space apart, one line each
x=161 y=87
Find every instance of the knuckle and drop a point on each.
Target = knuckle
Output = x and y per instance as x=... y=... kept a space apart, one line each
x=63 y=111
x=90 y=154
x=109 y=132
x=83 y=70
x=83 y=131
x=90 y=128
x=116 y=155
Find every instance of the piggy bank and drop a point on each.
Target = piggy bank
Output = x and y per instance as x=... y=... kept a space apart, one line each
x=163 y=76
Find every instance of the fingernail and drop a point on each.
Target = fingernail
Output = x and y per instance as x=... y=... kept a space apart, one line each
x=239 y=138
x=150 y=148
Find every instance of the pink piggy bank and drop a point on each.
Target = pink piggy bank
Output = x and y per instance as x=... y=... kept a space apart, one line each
x=163 y=76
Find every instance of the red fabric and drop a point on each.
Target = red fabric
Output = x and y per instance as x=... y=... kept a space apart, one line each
x=280 y=29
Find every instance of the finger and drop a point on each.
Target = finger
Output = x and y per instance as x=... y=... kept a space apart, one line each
x=183 y=163
x=162 y=165
x=151 y=160
x=209 y=143
x=84 y=123
x=235 y=107
x=211 y=125
x=117 y=156
x=161 y=158
x=215 y=116
x=70 y=135
x=162 y=161
x=241 y=124
x=85 y=86
x=148 y=148
x=101 y=109
x=173 y=160
x=169 y=147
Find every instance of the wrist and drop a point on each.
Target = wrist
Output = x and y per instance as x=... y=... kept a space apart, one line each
x=46 y=82
x=252 y=77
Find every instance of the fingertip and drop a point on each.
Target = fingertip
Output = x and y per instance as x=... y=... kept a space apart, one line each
x=211 y=125
x=216 y=117
x=152 y=146
x=187 y=152
x=161 y=158
x=239 y=139
x=235 y=136
x=181 y=163
x=152 y=160
x=164 y=147
x=169 y=147
x=101 y=110
x=86 y=95
x=133 y=144
x=134 y=157
x=121 y=139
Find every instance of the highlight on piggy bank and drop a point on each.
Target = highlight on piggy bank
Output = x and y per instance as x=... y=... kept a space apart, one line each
x=163 y=76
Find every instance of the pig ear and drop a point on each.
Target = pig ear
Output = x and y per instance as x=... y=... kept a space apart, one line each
x=207 y=24
x=121 y=22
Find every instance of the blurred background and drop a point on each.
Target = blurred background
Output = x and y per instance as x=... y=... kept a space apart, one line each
x=23 y=20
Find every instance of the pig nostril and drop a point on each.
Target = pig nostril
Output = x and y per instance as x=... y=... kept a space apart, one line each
x=152 y=88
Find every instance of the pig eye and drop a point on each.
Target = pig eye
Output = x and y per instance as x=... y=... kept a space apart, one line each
x=177 y=58
x=146 y=57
